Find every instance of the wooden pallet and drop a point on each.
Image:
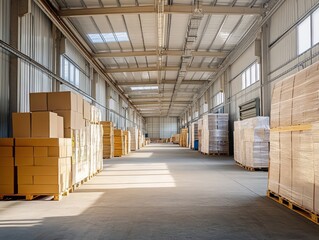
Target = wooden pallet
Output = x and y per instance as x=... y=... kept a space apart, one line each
x=33 y=196
x=294 y=207
x=264 y=169
x=215 y=154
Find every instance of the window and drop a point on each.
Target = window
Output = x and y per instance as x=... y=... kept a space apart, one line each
x=304 y=36
x=308 y=34
x=108 y=37
x=219 y=98
x=70 y=72
x=315 y=27
x=250 y=75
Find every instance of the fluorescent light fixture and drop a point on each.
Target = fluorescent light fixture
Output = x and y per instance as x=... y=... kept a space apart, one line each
x=144 y=88
x=108 y=37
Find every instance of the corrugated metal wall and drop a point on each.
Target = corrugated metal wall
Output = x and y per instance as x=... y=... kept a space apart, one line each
x=4 y=67
x=237 y=95
x=161 y=127
x=36 y=42
x=284 y=59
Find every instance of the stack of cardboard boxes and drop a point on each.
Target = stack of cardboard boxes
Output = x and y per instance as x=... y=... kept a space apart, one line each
x=200 y=133
x=134 y=138
x=118 y=143
x=294 y=139
x=127 y=148
x=108 y=139
x=43 y=165
x=175 y=138
x=215 y=134
x=183 y=137
x=53 y=117
x=7 y=168
x=251 y=142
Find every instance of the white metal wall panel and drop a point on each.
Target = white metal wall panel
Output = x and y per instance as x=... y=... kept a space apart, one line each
x=247 y=58
x=101 y=96
x=36 y=42
x=161 y=127
x=4 y=68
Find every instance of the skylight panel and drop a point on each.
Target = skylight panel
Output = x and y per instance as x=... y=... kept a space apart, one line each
x=108 y=37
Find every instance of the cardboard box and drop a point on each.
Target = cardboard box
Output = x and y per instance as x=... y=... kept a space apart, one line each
x=25 y=179
x=80 y=104
x=6 y=151
x=57 y=151
x=62 y=101
x=41 y=142
x=40 y=180
x=38 y=102
x=21 y=125
x=6 y=175
x=44 y=125
x=67 y=132
x=38 y=189
x=24 y=151
x=6 y=188
x=60 y=127
x=6 y=142
x=24 y=161
x=47 y=161
x=86 y=110
x=80 y=122
x=38 y=171
x=41 y=151
x=69 y=118
x=6 y=162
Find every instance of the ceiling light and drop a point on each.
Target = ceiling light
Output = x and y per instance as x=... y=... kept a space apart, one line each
x=144 y=88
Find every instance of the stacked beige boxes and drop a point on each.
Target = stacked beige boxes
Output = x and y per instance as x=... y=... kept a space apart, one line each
x=294 y=139
x=118 y=143
x=194 y=133
x=43 y=165
x=134 y=138
x=175 y=138
x=108 y=139
x=140 y=139
x=183 y=137
x=215 y=134
x=251 y=142
x=7 y=168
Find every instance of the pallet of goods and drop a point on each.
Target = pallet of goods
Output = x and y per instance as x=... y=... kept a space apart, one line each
x=108 y=139
x=127 y=142
x=63 y=117
x=118 y=143
x=175 y=138
x=215 y=134
x=294 y=143
x=183 y=137
x=134 y=138
x=251 y=143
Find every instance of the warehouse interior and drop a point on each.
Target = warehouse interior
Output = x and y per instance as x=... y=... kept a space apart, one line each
x=159 y=119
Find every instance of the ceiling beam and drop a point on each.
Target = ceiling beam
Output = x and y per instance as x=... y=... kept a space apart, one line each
x=192 y=82
x=217 y=54
x=154 y=69
x=171 y=9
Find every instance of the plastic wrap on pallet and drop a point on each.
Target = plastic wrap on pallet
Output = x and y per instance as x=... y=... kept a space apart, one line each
x=294 y=139
x=251 y=142
x=214 y=134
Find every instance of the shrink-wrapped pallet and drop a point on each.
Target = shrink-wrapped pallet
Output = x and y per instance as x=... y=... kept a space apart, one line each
x=251 y=142
x=214 y=134
x=134 y=138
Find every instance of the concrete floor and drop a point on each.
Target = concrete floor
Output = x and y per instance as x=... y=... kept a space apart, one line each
x=160 y=192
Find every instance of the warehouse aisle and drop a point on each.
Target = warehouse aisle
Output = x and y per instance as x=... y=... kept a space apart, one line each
x=160 y=192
